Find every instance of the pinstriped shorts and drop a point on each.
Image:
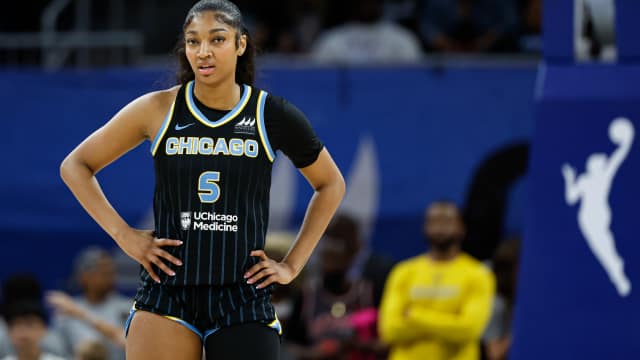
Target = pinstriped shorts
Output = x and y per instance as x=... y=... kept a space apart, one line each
x=204 y=309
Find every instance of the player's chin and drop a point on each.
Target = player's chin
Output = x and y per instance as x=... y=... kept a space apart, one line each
x=203 y=77
x=209 y=79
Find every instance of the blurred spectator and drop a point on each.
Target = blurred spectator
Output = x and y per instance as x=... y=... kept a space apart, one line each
x=21 y=288
x=369 y=264
x=405 y=13
x=375 y=270
x=91 y=350
x=283 y=26
x=531 y=33
x=68 y=306
x=27 y=322
x=436 y=305
x=366 y=38
x=470 y=25
x=272 y=24
x=399 y=10
x=99 y=313
x=309 y=22
x=497 y=337
x=335 y=318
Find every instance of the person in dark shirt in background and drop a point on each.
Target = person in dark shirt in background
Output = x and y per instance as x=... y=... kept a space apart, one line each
x=336 y=317
x=464 y=26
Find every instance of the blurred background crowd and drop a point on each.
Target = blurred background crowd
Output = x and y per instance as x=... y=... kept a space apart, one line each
x=335 y=310
x=427 y=106
x=140 y=32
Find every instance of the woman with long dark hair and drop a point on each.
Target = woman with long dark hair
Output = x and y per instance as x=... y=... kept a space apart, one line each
x=205 y=279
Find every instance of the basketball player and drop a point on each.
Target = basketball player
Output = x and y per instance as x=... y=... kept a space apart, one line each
x=205 y=280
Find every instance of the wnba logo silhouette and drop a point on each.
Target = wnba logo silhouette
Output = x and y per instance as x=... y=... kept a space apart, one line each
x=592 y=190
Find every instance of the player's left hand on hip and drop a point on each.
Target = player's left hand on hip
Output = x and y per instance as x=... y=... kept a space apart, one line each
x=268 y=271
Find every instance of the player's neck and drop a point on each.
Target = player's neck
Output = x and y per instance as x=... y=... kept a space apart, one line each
x=445 y=254
x=221 y=96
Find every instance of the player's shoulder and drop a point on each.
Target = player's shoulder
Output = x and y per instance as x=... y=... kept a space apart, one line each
x=270 y=97
x=473 y=266
x=410 y=264
x=275 y=106
x=271 y=100
x=160 y=98
x=154 y=104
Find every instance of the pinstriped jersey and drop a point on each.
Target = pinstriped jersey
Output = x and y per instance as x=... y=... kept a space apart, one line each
x=212 y=182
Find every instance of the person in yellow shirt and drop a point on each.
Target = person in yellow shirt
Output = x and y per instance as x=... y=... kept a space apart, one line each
x=436 y=305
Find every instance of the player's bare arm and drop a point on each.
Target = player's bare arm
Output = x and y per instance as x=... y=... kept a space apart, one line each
x=137 y=121
x=325 y=178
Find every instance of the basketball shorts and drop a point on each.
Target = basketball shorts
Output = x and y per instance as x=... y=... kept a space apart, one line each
x=205 y=309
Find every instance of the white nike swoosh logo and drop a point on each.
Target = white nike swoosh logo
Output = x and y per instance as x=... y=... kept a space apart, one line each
x=178 y=127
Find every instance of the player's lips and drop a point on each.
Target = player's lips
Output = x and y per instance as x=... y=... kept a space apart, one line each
x=206 y=69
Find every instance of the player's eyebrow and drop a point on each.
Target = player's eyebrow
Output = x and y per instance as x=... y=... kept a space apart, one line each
x=193 y=32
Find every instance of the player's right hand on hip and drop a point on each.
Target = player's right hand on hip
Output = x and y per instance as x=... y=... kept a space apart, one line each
x=145 y=248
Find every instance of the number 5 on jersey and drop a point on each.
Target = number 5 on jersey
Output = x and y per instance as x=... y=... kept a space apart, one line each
x=208 y=189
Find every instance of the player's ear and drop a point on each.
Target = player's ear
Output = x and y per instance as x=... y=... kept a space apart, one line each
x=242 y=45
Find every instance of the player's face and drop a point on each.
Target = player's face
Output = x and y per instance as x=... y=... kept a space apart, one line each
x=443 y=224
x=212 y=48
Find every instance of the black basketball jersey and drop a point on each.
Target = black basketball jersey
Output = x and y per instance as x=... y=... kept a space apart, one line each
x=213 y=178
